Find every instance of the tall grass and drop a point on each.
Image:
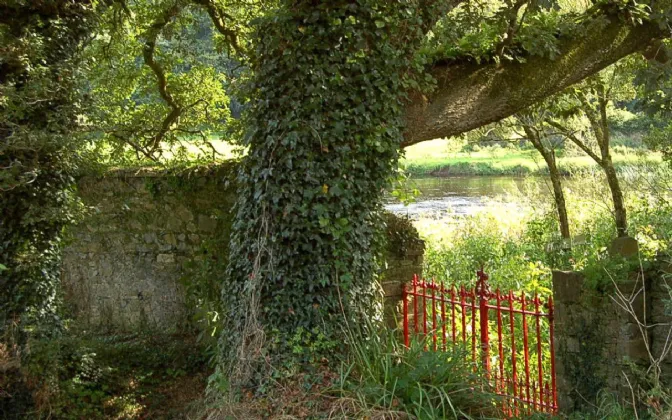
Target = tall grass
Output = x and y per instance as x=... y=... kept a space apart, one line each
x=383 y=379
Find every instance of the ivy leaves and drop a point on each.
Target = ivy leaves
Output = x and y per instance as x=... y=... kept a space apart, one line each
x=325 y=124
x=38 y=152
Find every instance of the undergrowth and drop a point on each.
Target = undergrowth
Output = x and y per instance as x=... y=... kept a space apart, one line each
x=130 y=376
x=381 y=375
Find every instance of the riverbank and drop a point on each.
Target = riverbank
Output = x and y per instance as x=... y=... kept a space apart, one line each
x=433 y=158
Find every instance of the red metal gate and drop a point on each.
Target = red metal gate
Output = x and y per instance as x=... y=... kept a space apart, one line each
x=492 y=324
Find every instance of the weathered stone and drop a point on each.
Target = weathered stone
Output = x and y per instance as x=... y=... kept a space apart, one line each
x=184 y=214
x=625 y=246
x=393 y=288
x=173 y=223
x=165 y=258
x=149 y=237
x=170 y=238
x=635 y=349
x=126 y=245
x=567 y=286
x=206 y=223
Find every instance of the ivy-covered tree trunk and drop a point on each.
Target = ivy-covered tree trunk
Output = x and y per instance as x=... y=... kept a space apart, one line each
x=325 y=129
x=38 y=112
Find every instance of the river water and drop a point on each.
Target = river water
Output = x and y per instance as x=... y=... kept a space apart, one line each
x=458 y=196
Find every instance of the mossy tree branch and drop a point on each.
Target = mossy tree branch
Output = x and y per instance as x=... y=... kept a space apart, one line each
x=470 y=95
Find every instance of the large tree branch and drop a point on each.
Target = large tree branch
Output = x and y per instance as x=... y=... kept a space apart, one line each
x=162 y=82
x=470 y=95
x=219 y=17
x=574 y=139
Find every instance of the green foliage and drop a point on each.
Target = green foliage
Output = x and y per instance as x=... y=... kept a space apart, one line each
x=519 y=252
x=401 y=235
x=170 y=105
x=500 y=31
x=123 y=376
x=202 y=285
x=39 y=109
x=513 y=263
x=382 y=375
x=659 y=139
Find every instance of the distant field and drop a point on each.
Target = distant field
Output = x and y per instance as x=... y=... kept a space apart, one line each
x=433 y=158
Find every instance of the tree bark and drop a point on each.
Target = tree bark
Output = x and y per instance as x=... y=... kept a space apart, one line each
x=469 y=95
x=554 y=173
x=620 y=213
x=599 y=123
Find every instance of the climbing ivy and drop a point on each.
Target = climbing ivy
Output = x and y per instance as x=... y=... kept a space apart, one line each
x=325 y=124
x=39 y=104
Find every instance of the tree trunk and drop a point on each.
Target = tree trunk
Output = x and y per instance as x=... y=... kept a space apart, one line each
x=554 y=173
x=620 y=214
x=600 y=125
x=37 y=152
x=324 y=135
x=558 y=194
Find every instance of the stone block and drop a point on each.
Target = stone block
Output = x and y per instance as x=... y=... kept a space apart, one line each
x=206 y=223
x=149 y=237
x=625 y=246
x=393 y=288
x=392 y=313
x=184 y=214
x=567 y=286
x=629 y=331
x=635 y=349
x=170 y=239
x=401 y=274
x=173 y=223
x=165 y=258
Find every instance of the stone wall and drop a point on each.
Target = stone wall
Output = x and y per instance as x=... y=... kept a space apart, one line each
x=597 y=341
x=123 y=264
x=399 y=271
x=659 y=316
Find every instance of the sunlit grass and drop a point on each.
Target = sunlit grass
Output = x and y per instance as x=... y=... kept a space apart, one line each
x=436 y=155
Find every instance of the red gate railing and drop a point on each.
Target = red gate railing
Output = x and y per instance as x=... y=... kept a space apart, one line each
x=492 y=324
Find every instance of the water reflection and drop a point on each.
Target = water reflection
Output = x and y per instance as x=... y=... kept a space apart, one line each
x=457 y=196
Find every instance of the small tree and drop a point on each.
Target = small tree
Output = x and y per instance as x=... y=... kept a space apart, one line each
x=591 y=100
x=546 y=143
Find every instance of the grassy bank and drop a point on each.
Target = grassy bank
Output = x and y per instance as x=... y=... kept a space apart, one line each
x=433 y=158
